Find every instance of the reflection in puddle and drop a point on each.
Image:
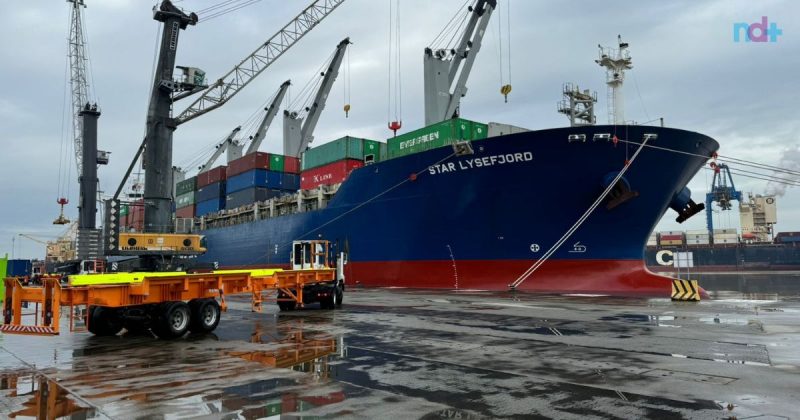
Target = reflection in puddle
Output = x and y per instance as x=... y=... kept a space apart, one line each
x=28 y=395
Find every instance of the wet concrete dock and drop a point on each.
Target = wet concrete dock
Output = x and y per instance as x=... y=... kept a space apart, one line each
x=393 y=353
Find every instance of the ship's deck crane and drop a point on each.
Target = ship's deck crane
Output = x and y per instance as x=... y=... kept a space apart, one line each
x=298 y=132
x=156 y=148
x=272 y=110
x=721 y=192
x=230 y=145
x=443 y=65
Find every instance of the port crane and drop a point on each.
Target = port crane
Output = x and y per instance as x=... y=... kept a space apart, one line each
x=723 y=192
x=271 y=112
x=158 y=244
x=229 y=145
x=447 y=69
x=298 y=131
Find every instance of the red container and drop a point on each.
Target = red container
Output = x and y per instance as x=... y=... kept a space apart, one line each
x=211 y=176
x=257 y=160
x=671 y=237
x=291 y=165
x=185 y=212
x=136 y=216
x=332 y=173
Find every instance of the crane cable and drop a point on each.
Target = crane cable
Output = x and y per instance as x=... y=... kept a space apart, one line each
x=346 y=85
x=505 y=73
x=394 y=105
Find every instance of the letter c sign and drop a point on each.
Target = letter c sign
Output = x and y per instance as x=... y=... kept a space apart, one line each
x=660 y=257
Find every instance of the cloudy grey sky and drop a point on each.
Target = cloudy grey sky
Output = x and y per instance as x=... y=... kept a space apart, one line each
x=687 y=69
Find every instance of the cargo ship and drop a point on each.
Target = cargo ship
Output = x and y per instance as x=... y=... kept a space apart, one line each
x=433 y=218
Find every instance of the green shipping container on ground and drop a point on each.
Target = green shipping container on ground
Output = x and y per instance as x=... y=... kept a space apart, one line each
x=184 y=200
x=186 y=186
x=344 y=148
x=435 y=136
x=277 y=163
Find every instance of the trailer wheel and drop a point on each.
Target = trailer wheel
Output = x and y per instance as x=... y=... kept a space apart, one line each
x=205 y=315
x=103 y=321
x=173 y=320
x=333 y=301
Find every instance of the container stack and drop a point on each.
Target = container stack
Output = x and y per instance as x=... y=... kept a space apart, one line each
x=697 y=237
x=653 y=239
x=332 y=162
x=185 y=198
x=434 y=136
x=725 y=237
x=787 y=238
x=210 y=194
x=260 y=176
x=18 y=268
x=670 y=238
x=132 y=216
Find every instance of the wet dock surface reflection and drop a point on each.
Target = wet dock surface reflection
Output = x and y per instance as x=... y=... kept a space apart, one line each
x=432 y=354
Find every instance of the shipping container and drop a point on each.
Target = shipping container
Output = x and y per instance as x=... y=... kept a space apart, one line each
x=291 y=165
x=373 y=151
x=497 y=129
x=720 y=241
x=212 y=176
x=184 y=200
x=123 y=210
x=479 y=131
x=260 y=178
x=697 y=241
x=135 y=219
x=787 y=239
x=18 y=268
x=340 y=149
x=671 y=237
x=329 y=174
x=671 y=242
x=211 y=191
x=186 y=186
x=432 y=137
x=277 y=163
x=246 y=163
x=725 y=231
x=697 y=232
x=250 y=196
x=203 y=208
x=185 y=212
x=672 y=232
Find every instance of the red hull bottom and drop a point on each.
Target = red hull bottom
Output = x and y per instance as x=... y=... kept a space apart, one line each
x=607 y=277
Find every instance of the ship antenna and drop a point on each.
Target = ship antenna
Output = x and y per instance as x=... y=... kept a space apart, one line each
x=615 y=61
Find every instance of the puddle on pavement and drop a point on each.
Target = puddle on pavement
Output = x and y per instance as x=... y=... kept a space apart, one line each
x=26 y=395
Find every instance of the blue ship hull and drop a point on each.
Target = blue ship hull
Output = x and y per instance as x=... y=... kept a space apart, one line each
x=437 y=220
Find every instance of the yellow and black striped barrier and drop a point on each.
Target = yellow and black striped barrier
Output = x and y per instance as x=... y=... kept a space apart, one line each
x=685 y=290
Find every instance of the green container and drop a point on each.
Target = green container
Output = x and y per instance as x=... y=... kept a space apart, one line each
x=277 y=163
x=433 y=137
x=344 y=148
x=123 y=210
x=373 y=148
x=3 y=266
x=184 y=200
x=480 y=131
x=186 y=186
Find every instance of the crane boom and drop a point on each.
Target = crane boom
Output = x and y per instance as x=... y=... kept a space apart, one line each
x=442 y=66
x=272 y=110
x=79 y=82
x=222 y=147
x=297 y=135
x=231 y=83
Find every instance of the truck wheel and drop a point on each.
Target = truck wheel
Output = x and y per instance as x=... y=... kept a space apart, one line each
x=332 y=301
x=339 y=297
x=205 y=315
x=173 y=320
x=103 y=321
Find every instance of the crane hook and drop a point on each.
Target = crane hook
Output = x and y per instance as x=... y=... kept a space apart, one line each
x=505 y=90
x=346 y=110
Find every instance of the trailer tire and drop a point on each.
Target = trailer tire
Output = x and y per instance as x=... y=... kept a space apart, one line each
x=173 y=320
x=333 y=301
x=104 y=321
x=205 y=315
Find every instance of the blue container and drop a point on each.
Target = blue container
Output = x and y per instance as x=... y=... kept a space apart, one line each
x=209 y=206
x=210 y=192
x=250 y=196
x=18 y=268
x=262 y=178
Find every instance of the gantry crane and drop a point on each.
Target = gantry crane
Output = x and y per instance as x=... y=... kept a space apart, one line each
x=272 y=110
x=156 y=148
x=721 y=192
x=443 y=91
x=298 y=131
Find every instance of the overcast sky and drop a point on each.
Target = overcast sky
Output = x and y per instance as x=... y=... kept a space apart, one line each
x=687 y=69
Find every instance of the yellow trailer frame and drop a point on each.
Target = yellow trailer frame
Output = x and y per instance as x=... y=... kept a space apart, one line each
x=108 y=290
